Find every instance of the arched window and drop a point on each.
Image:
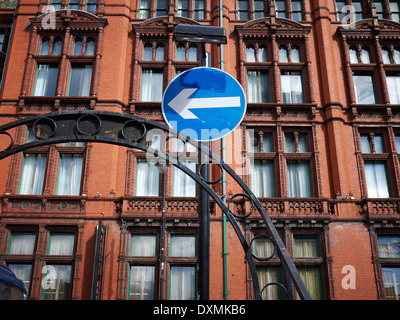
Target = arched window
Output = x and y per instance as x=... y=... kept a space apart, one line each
x=160 y=52
x=262 y=54
x=147 y=52
x=295 y=54
x=386 y=56
x=45 y=46
x=78 y=46
x=250 y=53
x=353 y=55
x=283 y=54
x=365 y=55
x=193 y=54
x=180 y=52
x=57 y=46
x=90 y=47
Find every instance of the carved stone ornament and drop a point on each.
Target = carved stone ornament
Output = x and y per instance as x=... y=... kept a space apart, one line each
x=74 y=19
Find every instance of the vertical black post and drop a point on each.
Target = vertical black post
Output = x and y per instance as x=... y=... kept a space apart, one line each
x=204 y=215
x=204 y=229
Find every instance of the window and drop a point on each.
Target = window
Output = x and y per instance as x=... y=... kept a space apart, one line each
x=360 y=54
x=142 y=278
x=268 y=268
x=306 y=248
x=258 y=87
x=73 y=5
x=182 y=283
x=395 y=10
x=32 y=174
x=243 y=10
x=161 y=8
x=373 y=149
x=58 y=275
x=280 y=8
x=190 y=9
x=144 y=9
x=292 y=87
x=259 y=9
x=340 y=10
x=153 y=52
x=379 y=6
x=364 y=89
x=389 y=253
x=69 y=174
x=91 y=6
x=46 y=80
x=262 y=170
x=263 y=178
x=259 y=55
x=183 y=185
x=347 y=15
x=2 y=40
x=22 y=243
x=147 y=179
x=393 y=85
x=84 y=46
x=298 y=171
x=152 y=85
x=289 y=55
x=56 y=4
x=297 y=10
x=80 y=80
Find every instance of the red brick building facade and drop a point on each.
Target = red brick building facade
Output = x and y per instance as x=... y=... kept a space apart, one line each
x=322 y=129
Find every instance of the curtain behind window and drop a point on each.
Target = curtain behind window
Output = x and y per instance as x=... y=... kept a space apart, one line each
x=257 y=87
x=61 y=244
x=147 y=179
x=69 y=174
x=46 y=80
x=152 y=86
x=183 y=246
x=377 y=182
x=299 y=179
x=393 y=84
x=143 y=245
x=80 y=81
x=263 y=178
x=267 y=275
x=183 y=185
x=292 y=87
x=32 y=175
x=182 y=283
x=22 y=243
x=142 y=283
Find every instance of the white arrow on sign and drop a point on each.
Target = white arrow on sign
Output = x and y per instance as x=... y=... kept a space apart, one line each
x=181 y=103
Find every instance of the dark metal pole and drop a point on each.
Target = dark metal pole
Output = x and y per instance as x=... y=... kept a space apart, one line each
x=204 y=215
x=163 y=168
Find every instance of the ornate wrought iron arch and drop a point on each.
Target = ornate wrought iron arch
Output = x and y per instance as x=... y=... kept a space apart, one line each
x=130 y=131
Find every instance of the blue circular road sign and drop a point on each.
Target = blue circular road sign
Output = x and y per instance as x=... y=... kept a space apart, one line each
x=204 y=103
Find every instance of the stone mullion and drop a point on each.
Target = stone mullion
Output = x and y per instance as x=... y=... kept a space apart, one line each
x=381 y=71
x=62 y=85
x=77 y=266
x=97 y=63
x=348 y=72
x=29 y=79
x=276 y=71
x=123 y=269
